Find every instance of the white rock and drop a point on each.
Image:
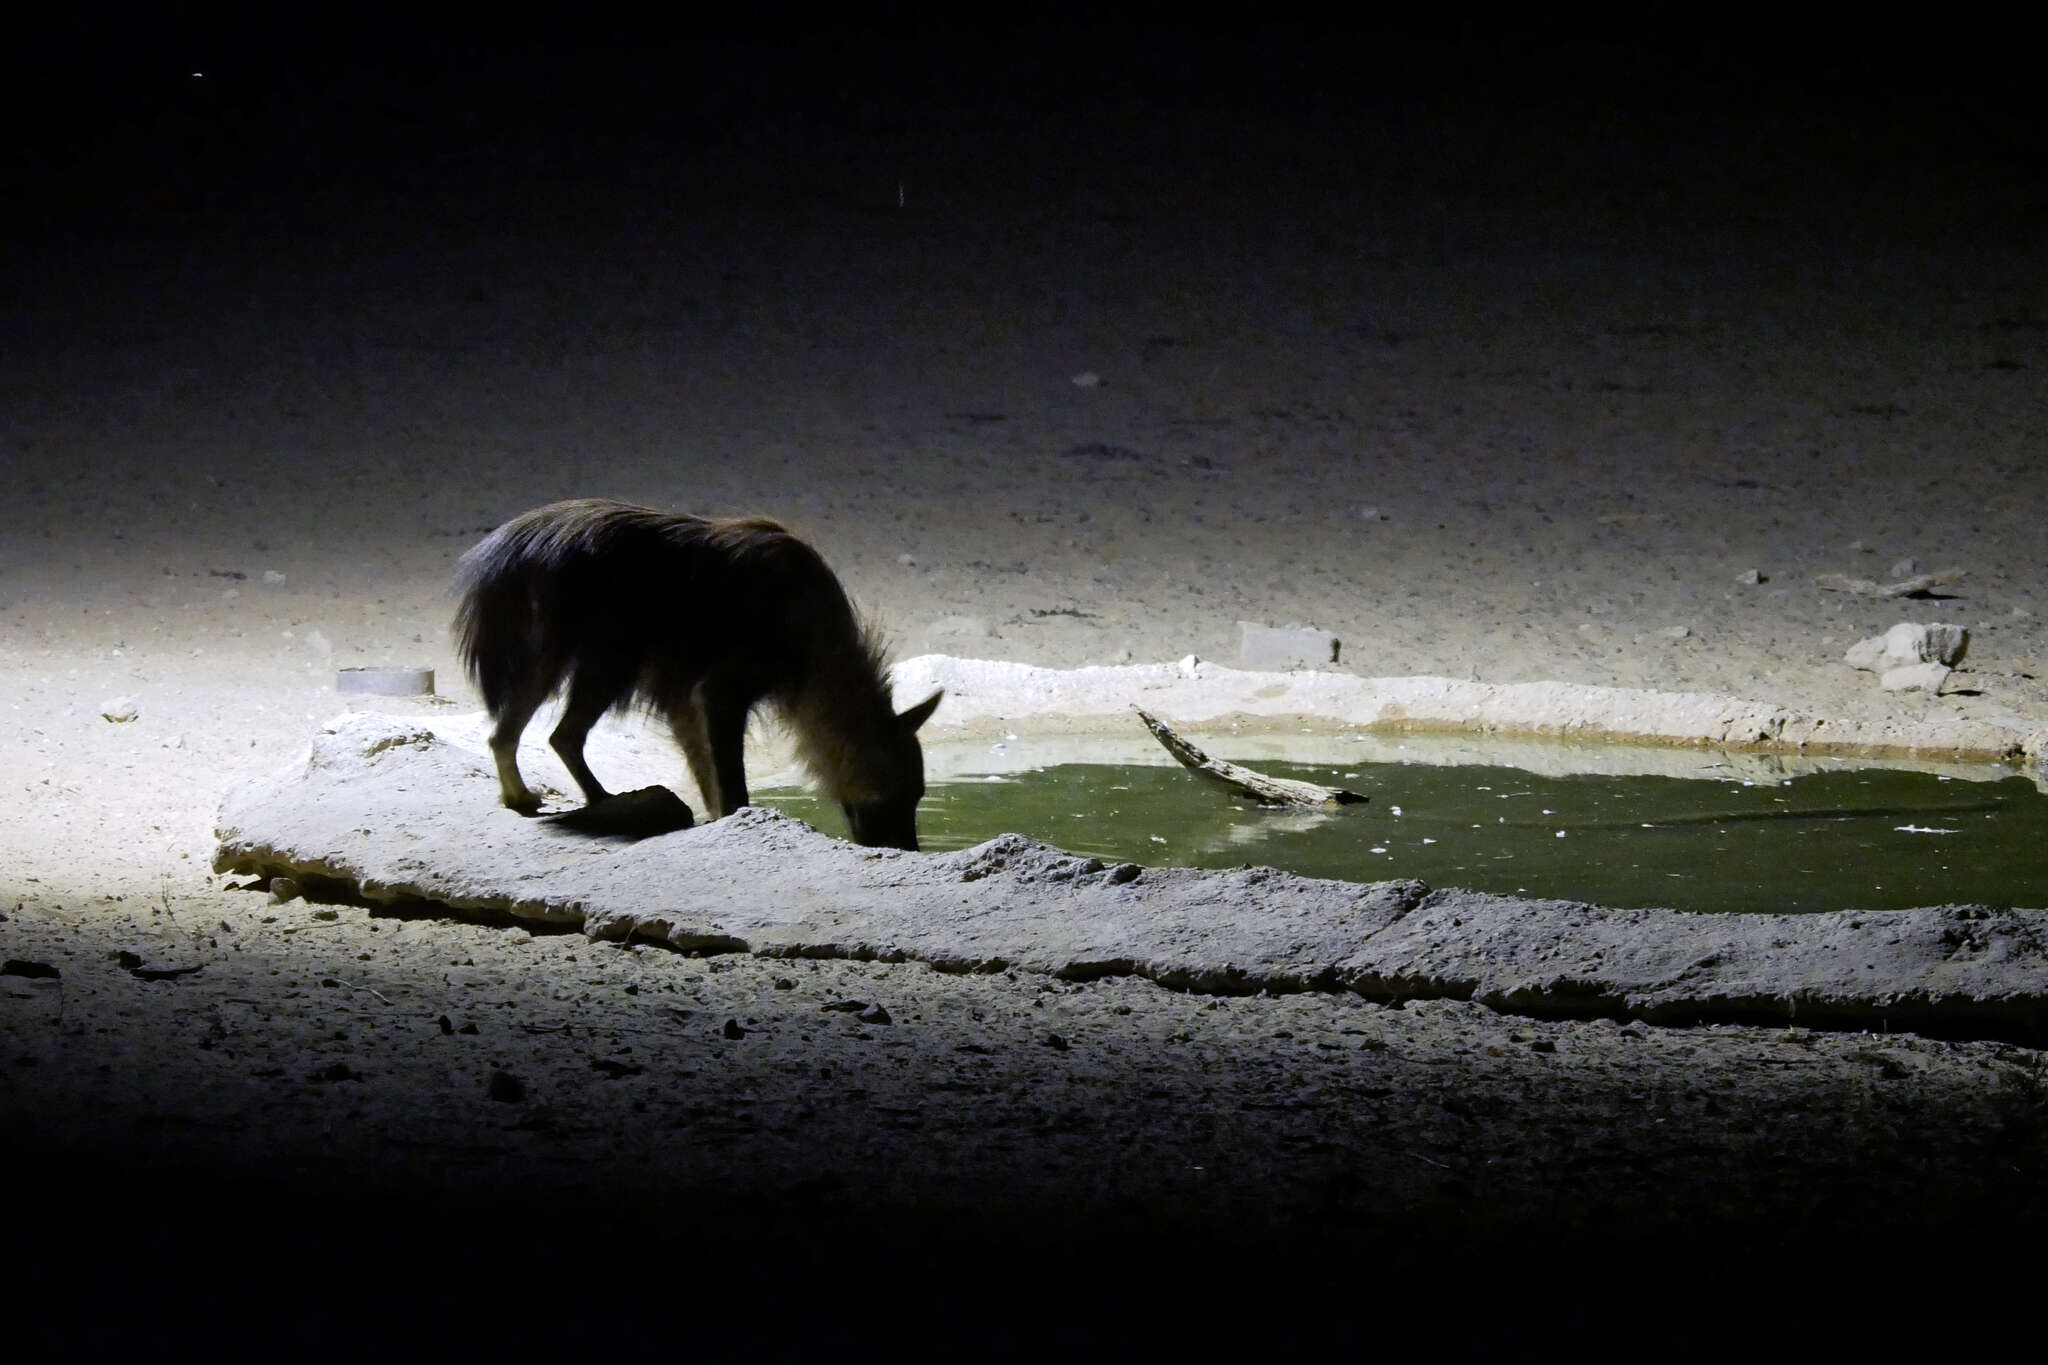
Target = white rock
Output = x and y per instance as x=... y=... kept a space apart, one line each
x=1906 y=568
x=1189 y=666
x=1087 y=379
x=119 y=710
x=1751 y=578
x=272 y=576
x=1934 y=642
x=1910 y=642
x=1866 y=654
x=1927 y=677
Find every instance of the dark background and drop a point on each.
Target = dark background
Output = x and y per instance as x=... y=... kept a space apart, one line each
x=342 y=111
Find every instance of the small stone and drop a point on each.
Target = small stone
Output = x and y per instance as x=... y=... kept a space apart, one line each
x=875 y=1014
x=447 y=1025
x=1905 y=568
x=1910 y=642
x=328 y=913
x=1055 y=1042
x=784 y=983
x=1189 y=666
x=907 y=560
x=1751 y=579
x=1867 y=655
x=732 y=1029
x=283 y=889
x=272 y=576
x=1087 y=379
x=119 y=710
x=1927 y=677
x=505 y=1087
x=1677 y=632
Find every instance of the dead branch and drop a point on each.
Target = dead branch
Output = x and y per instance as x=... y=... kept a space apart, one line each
x=1259 y=787
x=1905 y=587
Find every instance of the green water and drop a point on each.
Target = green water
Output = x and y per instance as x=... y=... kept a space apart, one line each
x=1853 y=839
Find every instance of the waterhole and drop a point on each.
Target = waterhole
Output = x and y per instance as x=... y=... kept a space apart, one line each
x=1708 y=833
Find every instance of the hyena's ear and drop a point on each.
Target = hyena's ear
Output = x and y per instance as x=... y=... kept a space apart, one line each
x=917 y=715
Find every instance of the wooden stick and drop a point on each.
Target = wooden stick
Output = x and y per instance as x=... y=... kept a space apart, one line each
x=1925 y=582
x=1261 y=788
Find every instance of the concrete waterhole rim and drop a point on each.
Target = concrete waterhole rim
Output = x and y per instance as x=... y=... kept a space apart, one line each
x=765 y=883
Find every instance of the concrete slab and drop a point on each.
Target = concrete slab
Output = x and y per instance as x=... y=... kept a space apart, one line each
x=1193 y=692
x=396 y=812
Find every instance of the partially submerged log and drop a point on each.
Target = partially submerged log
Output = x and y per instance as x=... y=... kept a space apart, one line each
x=1272 y=791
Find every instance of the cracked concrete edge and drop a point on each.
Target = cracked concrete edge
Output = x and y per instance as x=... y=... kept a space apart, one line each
x=1195 y=692
x=386 y=807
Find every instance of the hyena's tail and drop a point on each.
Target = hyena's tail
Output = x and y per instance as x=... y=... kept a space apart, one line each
x=496 y=634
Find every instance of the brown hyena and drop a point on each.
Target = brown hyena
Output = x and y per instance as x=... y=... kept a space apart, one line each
x=701 y=620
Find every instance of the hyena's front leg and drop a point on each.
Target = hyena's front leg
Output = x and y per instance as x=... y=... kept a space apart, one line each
x=686 y=723
x=713 y=732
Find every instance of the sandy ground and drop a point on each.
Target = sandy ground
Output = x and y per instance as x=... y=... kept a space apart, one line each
x=1513 y=393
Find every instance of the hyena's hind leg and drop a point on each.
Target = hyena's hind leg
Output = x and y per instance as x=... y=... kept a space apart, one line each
x=510 y=719
x=598 y=685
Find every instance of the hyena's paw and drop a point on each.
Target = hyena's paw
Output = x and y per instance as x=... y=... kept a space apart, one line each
x=523 y=801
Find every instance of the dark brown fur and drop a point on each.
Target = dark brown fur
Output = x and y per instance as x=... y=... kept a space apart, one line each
x=701 y=620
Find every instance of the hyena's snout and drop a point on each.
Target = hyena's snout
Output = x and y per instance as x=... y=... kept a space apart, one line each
x=883 y=826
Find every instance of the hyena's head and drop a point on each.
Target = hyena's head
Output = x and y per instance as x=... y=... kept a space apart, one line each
x=886 y=814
